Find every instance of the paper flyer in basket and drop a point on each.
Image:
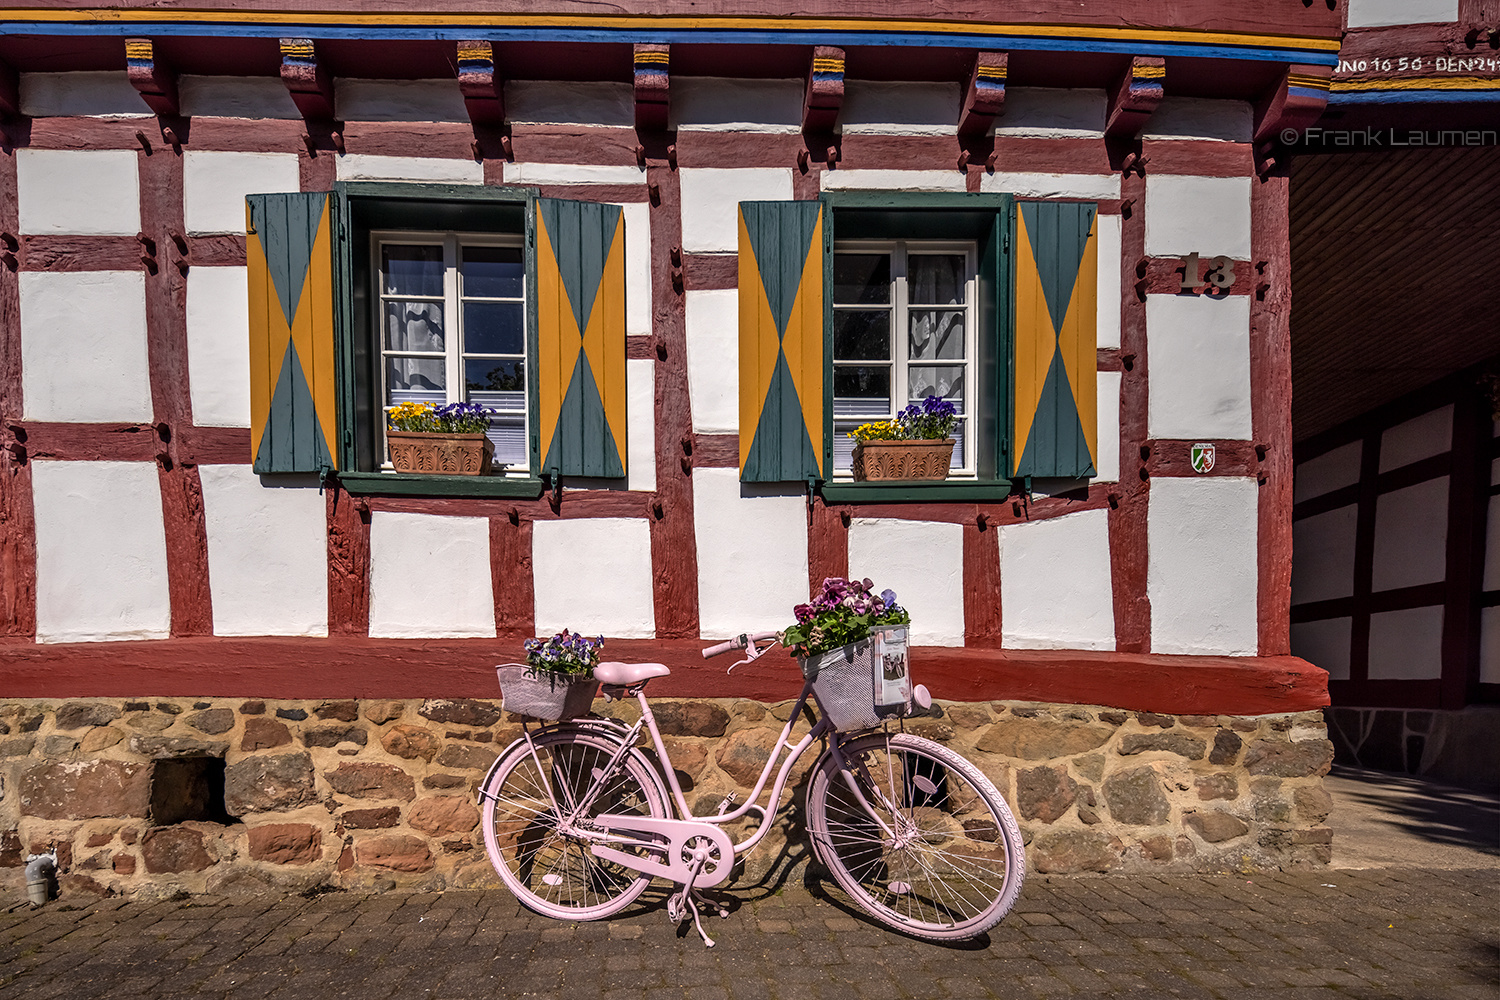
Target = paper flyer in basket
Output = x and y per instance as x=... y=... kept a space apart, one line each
x=892 y=678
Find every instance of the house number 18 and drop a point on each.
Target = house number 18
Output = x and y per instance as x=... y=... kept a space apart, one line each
x=1220 y=273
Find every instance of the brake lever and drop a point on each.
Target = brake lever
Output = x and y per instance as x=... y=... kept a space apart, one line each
x=752 y=653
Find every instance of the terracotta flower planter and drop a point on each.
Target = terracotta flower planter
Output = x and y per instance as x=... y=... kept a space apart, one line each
x=441 y=454
x=877 y=461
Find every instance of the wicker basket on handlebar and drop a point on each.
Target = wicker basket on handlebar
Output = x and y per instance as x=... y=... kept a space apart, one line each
x=545 y=696
x=863 y=684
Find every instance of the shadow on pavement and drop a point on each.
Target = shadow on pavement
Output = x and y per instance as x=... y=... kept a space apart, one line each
x=1384 y=819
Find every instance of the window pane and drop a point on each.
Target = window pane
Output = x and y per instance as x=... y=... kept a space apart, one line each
x=411 y=270
x=935 y=334
x=861 y=278
x=494 y=328
x=413 y=326
x=493 y=375
x=415 y=380
x=935 y=380
x=861 y=336
x=493 y=272
x=862 y=381
x=935 y=279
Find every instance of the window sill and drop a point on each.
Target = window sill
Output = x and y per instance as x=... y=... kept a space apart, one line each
x=909 y=491
x=405 y=485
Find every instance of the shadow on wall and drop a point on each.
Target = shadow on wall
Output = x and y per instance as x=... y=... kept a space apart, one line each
x=1455 y=747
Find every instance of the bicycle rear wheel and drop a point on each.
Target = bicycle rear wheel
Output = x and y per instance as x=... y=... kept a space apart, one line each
x=937 y=854
x=552 y=873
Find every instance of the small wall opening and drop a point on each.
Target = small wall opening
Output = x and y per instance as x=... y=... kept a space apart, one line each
x=188 y=788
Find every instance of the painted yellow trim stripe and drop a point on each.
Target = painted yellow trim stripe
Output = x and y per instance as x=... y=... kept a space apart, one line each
x=652 y=57
x=828 y=65
x=1422 y=83
x=991 y=72
x=1311 y=82
x=155 y=16
x=1150 y=72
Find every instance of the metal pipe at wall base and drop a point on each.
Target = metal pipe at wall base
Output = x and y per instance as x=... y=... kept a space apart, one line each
x=40 y=871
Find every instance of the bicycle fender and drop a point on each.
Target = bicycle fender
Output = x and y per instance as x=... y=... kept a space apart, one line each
x=678 y=833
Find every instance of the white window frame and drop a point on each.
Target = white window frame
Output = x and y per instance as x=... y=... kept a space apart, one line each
x=900 y=311
x=453 y=299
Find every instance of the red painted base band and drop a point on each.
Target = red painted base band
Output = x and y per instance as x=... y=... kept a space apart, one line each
x=294 y=668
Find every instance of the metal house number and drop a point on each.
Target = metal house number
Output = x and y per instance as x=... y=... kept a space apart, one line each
x=1220 y=274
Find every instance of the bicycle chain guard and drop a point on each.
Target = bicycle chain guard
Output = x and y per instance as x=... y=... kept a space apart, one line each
x=682 y=838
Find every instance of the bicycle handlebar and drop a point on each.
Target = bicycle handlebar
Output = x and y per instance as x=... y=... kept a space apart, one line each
x=740 y=641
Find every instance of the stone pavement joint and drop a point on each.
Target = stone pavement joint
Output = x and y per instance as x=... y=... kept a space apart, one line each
x=1323 y=935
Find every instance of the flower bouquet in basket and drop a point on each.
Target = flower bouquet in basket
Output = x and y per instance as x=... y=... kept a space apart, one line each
x=851 y=643
x=557 y=679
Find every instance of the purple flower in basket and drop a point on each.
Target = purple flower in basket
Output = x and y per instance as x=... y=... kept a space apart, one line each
x=564 y=653
x=843 y=611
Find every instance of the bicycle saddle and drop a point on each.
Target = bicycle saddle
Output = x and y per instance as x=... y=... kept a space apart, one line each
x=628 y=674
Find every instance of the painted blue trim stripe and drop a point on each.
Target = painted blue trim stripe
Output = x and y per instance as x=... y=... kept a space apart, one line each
x=1413 y=96
x=721 y=36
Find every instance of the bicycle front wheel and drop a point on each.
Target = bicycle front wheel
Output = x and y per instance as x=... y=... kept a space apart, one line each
x=550 y=872
x=932 y=850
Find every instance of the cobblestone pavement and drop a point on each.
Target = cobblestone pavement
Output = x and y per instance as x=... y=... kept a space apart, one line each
x=1361 y=935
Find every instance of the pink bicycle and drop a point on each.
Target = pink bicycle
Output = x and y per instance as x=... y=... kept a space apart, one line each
x=577 y=819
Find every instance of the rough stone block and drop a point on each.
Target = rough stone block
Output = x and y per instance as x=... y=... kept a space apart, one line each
x=473 y=758
x=372 y=781
x=1181 y=744
x=79 y=714
x=1039 y=739
x=58 y=745
x=87 y=790
x=371 y=819
x=100 y=739
x=444 y=781
x=174 y=849
x=1061 y=851
x=286 y=843
x=1157 y=848
x=253 y=708
x=292 y=714
x=1313 y=803
x=381 y=712
x=339 y=711
x=268 y=784
x=1216 y=827
x=1150 y=719
x=213 y=721
x=1304 y=759
x=1226 y=747
x=332 y=736
x=176 y=746
x=691 y=718
x=124 y=864
x=1217 y=786
x=150 y=722
x=460 y=711
x=410 y=742
x=443 y=815
x=1044 y=793
x=396 y=852
x=264 y=734
x=743 y=755
x=17 y=746
x=1135 y=797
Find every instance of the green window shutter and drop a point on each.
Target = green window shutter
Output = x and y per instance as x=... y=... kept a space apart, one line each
x=1055 y=392
x=580 y=337
x=783 y=353
x=289 y=258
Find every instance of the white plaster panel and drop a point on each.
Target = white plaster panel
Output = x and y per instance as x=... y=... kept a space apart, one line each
x=366 y=167
x=1028 y=185
x=724 y=104
x=1052 y=112
x=1416 y=439
x=1200 y=118
x=101 y=552
x=893 y=180
x=214 y=185
x=565 y=102
x=900 y=108
x=1208 y=216
x=1382 y=13
x=1111 y=242
x=399 y=100
x=593 y=576
x=573 y=173
x=430 y=577
x=267 y=552
x=235 y=97
x=85 y=192
x=923 y=562
x=1201 y=571
x=1411 y=536
x=94 y=94
x=1332 y=470
x=713 y=352
x=1323 y=555
x=83 y=346
x=711 y=198
x=637 y=268
x=218 y=314
x=1406 y=645
x=1492 y=546
x=1107 y=461
x=1324 y=644
x=1199 y=365
x=1055 y=583
x=1489 y=646
x=640 y=423
x=752 y=553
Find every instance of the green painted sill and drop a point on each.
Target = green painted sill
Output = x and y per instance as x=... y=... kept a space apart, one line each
x=915 y=492
x=405 y=485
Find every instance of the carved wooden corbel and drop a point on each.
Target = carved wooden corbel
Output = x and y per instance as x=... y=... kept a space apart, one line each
x=152 y=78
x=824 y=96
x=482 y=87
x=307 y=79
x=984 y=100
x=1297 y=102
x=652 y=86
x=1135 y=96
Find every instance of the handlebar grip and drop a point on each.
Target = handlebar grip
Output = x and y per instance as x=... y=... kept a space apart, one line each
x=723 y=647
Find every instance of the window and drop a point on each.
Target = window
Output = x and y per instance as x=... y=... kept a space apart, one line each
x=451 y=328
x=378 y=294
x=855 y=305
x=903 y=329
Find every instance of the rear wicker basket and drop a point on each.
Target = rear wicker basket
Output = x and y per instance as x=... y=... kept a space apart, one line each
x=861 y=685
x=545 y=696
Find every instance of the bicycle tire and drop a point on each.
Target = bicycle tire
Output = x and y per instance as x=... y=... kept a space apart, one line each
x=553 y=874
x=959 y=864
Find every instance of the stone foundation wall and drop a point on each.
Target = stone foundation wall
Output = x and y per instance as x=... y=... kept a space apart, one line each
x=1451 y=747
x=158 y=796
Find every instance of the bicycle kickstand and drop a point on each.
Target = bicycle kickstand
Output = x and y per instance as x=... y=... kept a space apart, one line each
x=686 y=900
